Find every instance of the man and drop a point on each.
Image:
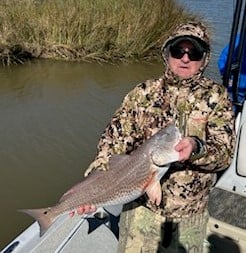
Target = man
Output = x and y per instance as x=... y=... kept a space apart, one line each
x=200 y=108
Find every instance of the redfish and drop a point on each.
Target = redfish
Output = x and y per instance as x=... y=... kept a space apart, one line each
x=128 y=177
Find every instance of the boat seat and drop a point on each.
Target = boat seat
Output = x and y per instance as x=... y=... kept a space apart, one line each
x=241 y=157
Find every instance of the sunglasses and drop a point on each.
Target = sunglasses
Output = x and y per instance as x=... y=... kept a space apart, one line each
x=194 y=54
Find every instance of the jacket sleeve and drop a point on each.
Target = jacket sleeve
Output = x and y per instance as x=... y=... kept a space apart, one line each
x=220 y=133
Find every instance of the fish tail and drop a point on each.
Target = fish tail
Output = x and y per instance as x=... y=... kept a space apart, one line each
x=43 y=216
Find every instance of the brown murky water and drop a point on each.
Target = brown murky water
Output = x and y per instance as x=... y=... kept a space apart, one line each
x=52 y=114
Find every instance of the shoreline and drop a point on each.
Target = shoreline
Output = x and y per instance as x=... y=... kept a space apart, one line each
x=106 y=31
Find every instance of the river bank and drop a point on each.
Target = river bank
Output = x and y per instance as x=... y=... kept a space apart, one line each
x=101 y=31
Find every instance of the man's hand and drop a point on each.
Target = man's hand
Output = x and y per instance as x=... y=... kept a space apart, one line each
x=185 y=148
x=86 y=209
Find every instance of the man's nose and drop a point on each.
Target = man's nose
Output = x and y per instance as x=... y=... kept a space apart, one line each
x=185 y=57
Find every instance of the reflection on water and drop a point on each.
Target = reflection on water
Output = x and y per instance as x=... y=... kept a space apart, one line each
x=52 y=114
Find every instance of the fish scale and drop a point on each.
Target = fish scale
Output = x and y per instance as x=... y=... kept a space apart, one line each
x=128 y=177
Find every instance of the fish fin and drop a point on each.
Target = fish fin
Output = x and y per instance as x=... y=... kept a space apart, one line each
x=154 y=193
x=43 y=216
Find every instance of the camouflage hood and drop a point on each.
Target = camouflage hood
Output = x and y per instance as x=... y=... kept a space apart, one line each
x=194 y=31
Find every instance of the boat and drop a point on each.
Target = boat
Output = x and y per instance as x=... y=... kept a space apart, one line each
x=226 y=228
x=95 y=233
x=227 y=202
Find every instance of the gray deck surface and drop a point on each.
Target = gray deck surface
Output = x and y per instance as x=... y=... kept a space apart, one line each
x=72 y=236
x=67 y=235
x=228 y=207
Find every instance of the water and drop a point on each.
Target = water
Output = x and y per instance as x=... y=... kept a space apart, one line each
x=52 y=114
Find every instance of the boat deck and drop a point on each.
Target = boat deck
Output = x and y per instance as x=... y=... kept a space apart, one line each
x=66 y=236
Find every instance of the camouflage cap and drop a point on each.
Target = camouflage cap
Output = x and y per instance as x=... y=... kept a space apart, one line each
x=194 y=30
x=197 y=43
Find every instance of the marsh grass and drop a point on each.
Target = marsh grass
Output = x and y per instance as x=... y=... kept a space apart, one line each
x=98 y=30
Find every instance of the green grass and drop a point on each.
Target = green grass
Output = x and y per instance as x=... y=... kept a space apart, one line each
x=88 y=30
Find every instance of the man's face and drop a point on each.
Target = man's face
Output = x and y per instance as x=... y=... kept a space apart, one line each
x=184 y=67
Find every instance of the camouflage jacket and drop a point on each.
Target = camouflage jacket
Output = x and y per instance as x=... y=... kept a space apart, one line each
x=199 y=107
